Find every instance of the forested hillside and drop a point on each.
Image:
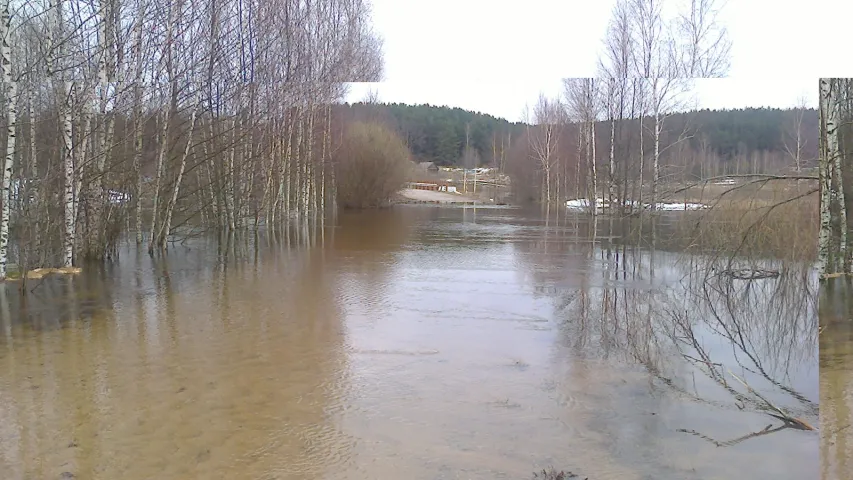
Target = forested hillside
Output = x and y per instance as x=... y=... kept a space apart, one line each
x=729 y=132
x=438 y=133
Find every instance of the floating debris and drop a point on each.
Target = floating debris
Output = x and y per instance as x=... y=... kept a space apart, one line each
x=750 y=273
x=553 y=474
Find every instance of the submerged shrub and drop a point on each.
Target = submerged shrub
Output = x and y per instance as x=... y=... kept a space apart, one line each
x=372 y=164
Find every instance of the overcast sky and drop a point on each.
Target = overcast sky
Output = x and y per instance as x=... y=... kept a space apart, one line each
x=496 y=56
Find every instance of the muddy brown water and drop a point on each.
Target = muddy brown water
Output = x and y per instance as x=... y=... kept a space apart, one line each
x=836 y=379
x=415 y=342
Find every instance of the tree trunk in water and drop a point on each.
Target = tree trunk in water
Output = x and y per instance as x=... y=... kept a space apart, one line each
x=137 y=118
x=79 y=156
x=229 y=179
x=656 y=162
x=642 y=162
x=11 y=124
x=593 y=172
x=68 y=164
x=611 y=171
x=34 y=175
x=170 y=207
x=326 y=137
x=298 y=164
x=137 y=156
x=288 y=169
x=94 y=245
x=828 y=249
x=834 y=156
x=158 y=179
x=309 y=161
x=578 y=169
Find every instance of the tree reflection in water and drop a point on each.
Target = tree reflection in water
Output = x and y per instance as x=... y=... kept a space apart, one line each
x=697 y=322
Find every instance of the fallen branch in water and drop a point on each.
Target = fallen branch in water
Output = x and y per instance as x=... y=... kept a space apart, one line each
x=825 y=276
x=765 y=431
x=794 y=422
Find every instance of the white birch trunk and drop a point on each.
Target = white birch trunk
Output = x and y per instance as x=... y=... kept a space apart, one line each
x=158 y=176
x=79 y=155
x=55 y=52
x=611 y=171
x=656 y=159
x=825 y=175
x=170 y=207
x=325 y=160
x=266 y=201
x=592 y=167
x=11 y=98
x=312 y=165
x=834 y=155
x=640 y=198
x=580 y=156
x=828 y=257
x=68 y=163
x=288 y=170
x=282 y=200
x=298 y=164
x=229 y=179
x=34 y=175
x=137 y=155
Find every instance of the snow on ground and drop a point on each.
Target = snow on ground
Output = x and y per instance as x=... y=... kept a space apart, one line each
x=583 y=204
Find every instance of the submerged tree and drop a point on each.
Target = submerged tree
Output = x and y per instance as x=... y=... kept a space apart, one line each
x=372 y=164
x=203 y=115
x=651 y=54
x=836 y=175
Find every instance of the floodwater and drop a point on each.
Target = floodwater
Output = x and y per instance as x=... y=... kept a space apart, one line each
x=836 y=379
x=418 y=343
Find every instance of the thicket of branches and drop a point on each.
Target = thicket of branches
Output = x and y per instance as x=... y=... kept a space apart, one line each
x=620 y=137
x=373 y=163
x=134 y=115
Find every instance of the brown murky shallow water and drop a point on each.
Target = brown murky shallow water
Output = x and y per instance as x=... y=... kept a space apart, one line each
x=417 y=343
x=836 y=380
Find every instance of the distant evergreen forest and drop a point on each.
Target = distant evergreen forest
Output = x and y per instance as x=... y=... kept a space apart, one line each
x=437 y=134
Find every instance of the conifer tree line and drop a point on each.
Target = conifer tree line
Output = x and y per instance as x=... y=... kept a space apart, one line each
x=142 y=115
x=731 y=141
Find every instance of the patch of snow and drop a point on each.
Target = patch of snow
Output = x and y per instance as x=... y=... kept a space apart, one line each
x=600 y=204
x=674 y=207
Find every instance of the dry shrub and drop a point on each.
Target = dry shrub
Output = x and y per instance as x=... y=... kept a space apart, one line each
x=780 y=229
x=372 y=165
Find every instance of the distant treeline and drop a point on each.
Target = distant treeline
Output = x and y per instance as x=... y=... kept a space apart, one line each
x=437 y=134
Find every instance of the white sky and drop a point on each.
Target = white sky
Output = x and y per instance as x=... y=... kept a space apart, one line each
x=496 y=56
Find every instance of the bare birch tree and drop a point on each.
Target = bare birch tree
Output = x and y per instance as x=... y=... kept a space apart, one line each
x=10 y=95
x=164 y=118
x=831 y=247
